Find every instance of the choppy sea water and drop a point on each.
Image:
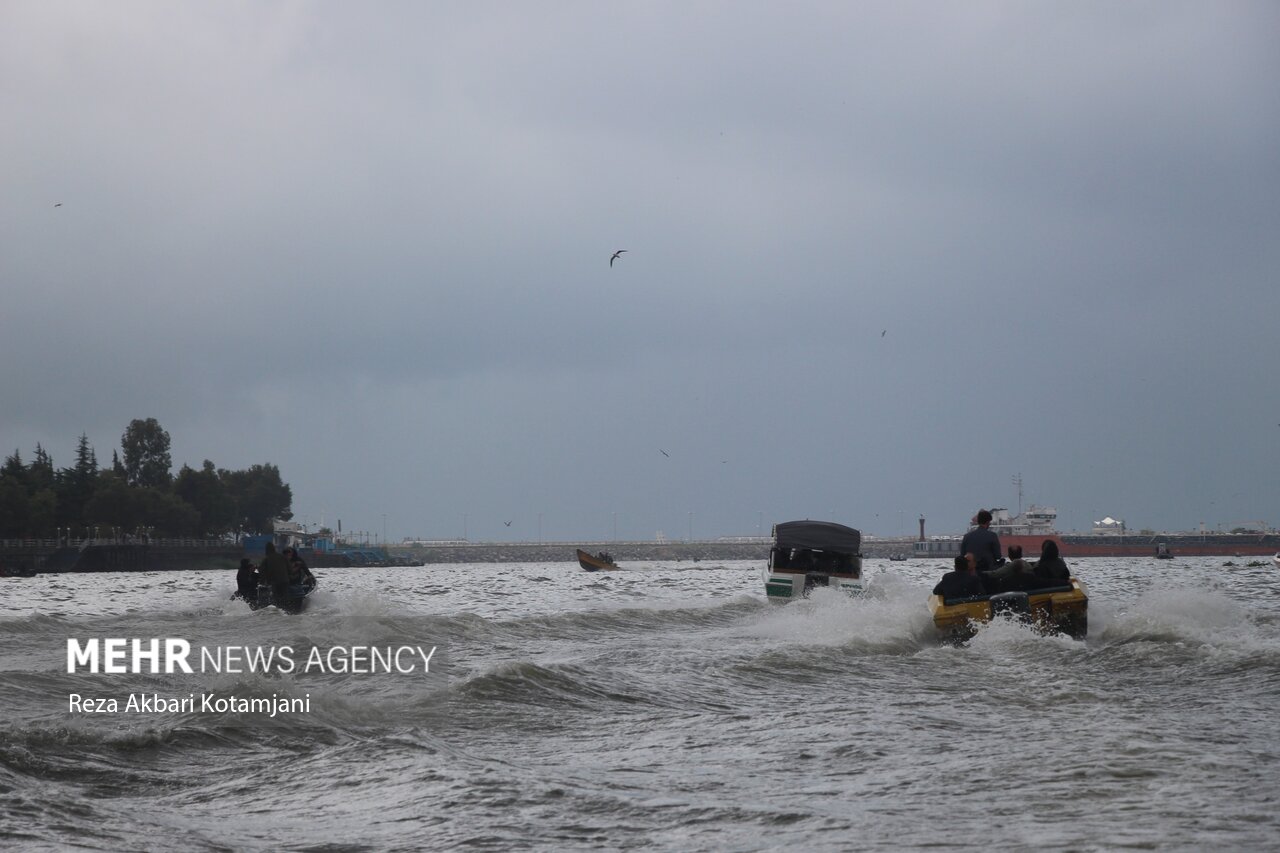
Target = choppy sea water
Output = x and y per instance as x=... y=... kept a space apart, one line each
x=666 y=707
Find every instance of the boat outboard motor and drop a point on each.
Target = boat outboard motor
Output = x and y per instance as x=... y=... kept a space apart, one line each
x=813 y=579
x=1016 y=604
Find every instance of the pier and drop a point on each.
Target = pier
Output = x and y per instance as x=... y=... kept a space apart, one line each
x=118 y=555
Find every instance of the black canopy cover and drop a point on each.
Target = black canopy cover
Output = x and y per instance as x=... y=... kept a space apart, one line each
x=817 y=535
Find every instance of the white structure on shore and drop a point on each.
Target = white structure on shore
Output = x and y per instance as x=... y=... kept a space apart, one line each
x=1109 y=525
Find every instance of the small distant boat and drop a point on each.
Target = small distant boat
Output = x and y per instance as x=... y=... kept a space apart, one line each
x=21 y=572
x=1163 y=552
x=898 y=558
x=601 y=562
x=808 y=554
x=1276 y=560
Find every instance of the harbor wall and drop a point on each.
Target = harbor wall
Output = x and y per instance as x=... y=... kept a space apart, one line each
x=53 y=556
x=56 y=556
x=555 y=552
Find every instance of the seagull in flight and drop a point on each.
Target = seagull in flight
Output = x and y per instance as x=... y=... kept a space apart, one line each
x=664 y=453
x=59 y=204
x=882 y=333
x=615 y=256
x=507 y=523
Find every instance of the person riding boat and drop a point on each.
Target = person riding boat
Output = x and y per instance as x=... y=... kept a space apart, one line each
x=1052 y=569
x=962 y=581
x=274 y=572
x=247 y=580
x=983 y=543
x=1014 y=576
x=300 y=577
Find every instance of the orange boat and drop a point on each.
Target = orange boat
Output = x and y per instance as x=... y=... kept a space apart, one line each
x=601 y=562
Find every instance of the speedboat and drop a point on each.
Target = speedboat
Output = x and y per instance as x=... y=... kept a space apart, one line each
x=1050 y=610
x=294 y=601
x=810 y=554
x=601 y=562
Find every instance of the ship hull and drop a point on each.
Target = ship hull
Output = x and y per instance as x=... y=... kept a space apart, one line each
x=1187 y=545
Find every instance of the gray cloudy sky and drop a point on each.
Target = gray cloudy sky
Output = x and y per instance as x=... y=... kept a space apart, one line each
x=881 y=257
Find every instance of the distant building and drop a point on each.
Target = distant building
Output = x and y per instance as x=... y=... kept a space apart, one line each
x=1109 y=525
x=1036 y=521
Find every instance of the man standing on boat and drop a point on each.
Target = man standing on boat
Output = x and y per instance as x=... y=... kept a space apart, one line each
x=275 y=571
x=982 y=543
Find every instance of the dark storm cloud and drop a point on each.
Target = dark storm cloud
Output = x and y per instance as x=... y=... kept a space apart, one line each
x=374 y=250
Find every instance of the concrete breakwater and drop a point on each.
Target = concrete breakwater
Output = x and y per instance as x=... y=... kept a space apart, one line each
x=50 y=555
x=555 y=552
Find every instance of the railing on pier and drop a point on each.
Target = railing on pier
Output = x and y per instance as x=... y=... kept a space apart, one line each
x=82 y=542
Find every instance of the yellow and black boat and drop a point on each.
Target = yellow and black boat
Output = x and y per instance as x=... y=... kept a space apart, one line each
x=1051 y=610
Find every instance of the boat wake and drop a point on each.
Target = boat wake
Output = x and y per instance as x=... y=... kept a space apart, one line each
x=1175 y=622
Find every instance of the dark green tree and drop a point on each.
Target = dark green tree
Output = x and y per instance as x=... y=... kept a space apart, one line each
x=40 y=473
x=76 y=485
x=137 y=493
x=169 y=514
x=117 y=504
x=14 y=469
x=15 y=510
x=259 y=496
x=43 y=519
x=146 y=454
x=206 y=493
x=114 y=504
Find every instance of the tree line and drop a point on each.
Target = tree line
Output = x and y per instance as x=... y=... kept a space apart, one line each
x=136 y=493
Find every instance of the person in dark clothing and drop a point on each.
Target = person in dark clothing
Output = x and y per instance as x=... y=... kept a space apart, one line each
x=299 y=574
x=247 y=580
x=1014 y=576
x=291 y=557
x=960 y=582
x=275 y=572
x=1052 y=569
x=982 y=543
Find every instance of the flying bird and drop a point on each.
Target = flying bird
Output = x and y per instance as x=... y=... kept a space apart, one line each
x=664 y=453
x=615 y=256
x=507 y=523
x=882 y=333
x=59 y=204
